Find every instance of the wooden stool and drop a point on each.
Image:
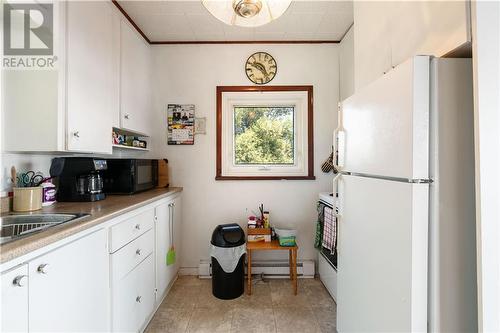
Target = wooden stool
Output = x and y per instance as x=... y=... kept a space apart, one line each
x=273 y=245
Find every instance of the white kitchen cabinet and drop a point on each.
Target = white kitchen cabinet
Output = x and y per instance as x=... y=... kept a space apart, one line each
x=168 y=232
x=176 y=227
x=372 y=49
x=71 y=106
x=388 y=33
x=134 y=298
x=163 y=239
x=69 y=287
x=89 y=76
x=135 y=76
x=15 y=300
x=133 y=287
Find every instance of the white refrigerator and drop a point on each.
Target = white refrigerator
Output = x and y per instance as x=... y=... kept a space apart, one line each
x=407 y=244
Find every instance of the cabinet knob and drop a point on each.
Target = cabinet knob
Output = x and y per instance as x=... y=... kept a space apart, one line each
x=138 y=252
x=43 y=268
x=76 y=134
x=138 y=226
x=20 y=281
x=138 y=299
x=127 y=116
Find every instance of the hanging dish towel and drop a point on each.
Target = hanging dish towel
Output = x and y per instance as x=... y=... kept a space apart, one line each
x=319 y=226
x=228 y=257
x=329 y=229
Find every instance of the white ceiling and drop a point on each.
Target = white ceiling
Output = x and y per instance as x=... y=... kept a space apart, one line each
x=188 y=20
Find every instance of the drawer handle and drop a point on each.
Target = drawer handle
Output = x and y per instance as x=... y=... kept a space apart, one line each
x=138 y=226
x=138 y=252
x=20 y=281
x=138 y=299
x=43 y=268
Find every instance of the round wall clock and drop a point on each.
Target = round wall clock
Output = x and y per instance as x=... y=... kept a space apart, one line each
x=261 y=68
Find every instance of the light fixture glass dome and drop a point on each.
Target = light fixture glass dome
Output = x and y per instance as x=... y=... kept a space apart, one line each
x=246 y=13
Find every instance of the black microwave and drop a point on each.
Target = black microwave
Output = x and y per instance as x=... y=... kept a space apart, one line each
x=130 y=175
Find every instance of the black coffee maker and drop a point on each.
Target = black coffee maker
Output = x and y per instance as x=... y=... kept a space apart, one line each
x=78 y=178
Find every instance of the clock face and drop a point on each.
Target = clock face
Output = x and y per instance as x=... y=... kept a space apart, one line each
x=261 y=68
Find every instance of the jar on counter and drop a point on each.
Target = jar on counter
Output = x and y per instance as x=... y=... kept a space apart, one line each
x=48 y=193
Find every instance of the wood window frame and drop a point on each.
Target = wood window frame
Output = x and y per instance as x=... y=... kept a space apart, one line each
x=310 y=130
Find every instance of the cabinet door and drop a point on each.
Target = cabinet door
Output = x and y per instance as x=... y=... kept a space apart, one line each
x=162 y=230
x=146 y=283
x=177 y=219
x=115 y=93
x=89 y=83
x=372 y=51
x=69 y=287
x=134 y=298
x=15 y=300
x=135 y=92
x=427 y=27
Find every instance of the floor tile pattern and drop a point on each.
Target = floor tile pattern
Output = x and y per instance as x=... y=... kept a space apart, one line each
x=272 y=308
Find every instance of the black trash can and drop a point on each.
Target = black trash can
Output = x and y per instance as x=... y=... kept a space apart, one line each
x=228 y=241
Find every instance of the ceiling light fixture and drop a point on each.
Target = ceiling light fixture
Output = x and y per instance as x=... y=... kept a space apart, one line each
x=246 y=13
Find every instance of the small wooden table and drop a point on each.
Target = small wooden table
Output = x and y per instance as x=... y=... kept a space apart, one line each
x=273 y=245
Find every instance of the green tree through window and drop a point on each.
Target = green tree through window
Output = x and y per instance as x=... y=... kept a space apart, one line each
x=264 y=135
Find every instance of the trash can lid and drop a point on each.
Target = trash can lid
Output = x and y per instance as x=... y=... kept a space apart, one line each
x=228 y=235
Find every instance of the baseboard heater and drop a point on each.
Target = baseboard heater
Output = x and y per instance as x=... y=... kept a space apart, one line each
x=269 y=268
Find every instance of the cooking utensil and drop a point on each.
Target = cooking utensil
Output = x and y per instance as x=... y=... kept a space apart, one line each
x=29 y=179
x=13 y=175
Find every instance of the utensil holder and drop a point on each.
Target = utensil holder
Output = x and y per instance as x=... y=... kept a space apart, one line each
x=27 y=199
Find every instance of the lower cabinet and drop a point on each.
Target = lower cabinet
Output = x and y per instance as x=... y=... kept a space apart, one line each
x=133 y=280
x=111 y=279
x=69 y=287
x=168 y=236
x=15 y=300
x=134 y=298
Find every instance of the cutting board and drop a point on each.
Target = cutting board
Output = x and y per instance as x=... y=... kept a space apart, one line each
x=163 y=173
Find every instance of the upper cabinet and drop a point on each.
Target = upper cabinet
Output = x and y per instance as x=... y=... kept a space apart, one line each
x=135 y=91
x=388 y=33
x=67 y=107
x=100 y=80
x=89 y=76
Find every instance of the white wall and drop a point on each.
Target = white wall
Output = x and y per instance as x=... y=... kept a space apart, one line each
x=486 y=55
x=346 y=65
x=190 y=74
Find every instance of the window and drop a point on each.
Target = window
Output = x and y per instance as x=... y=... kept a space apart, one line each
x=264 y=133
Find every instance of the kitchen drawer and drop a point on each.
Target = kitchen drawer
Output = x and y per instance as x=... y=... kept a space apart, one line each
x=129 y=256
x=134 y=298
x=130 y=229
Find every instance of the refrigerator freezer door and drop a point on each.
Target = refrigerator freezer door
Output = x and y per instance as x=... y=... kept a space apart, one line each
x=386 y=124
x=382 y=256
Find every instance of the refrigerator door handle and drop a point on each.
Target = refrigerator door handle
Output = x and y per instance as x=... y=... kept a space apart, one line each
x=337 y=209
x=339 y=142
x=394 y=179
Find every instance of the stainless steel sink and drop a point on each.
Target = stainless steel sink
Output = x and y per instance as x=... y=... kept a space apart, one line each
x=17 y=225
